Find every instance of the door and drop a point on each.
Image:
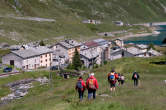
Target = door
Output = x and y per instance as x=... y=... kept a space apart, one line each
x=35 y=66
x=12 y=62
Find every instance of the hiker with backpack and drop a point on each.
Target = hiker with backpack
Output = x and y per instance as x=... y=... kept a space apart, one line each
x=112 y=80
x=119 y=79
x=122 y=79
x=92 y=86
x=135 y=77
x=80 y=87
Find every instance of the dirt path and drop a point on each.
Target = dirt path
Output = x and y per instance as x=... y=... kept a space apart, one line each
x=29 y=18
x=134 y=35
x=8 y=74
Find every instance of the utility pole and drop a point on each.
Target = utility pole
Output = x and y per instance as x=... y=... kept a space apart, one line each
x=50 y=77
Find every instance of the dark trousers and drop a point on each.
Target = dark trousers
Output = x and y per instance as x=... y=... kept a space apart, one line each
x=91 y=93
x=135 y=82
x=81 y=94
x=122 y=82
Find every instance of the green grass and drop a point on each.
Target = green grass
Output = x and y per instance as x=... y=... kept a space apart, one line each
x=69 y=14
x=61 y=94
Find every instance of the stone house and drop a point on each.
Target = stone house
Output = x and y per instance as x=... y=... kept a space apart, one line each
x=67 y=49
x=91 y=21
x=119 y=53
x=137 y=52
x=119 y=23
x=32 y=58
x=95 y=52
x=119 y=42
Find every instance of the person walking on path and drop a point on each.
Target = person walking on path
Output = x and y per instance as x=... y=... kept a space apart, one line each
x=122 y=79
x=135 y=77
x=112 y=80
x=119 y=79
x=92 y=86
x=80 y=87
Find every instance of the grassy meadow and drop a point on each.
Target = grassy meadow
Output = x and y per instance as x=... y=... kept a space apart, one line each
x=61 y=95
x=68 y=15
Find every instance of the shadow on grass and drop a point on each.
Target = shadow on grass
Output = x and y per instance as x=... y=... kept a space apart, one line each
x=159 y=63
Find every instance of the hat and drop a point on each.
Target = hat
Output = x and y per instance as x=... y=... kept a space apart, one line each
x=80 y=77
x=112 y=70
x=92 y=74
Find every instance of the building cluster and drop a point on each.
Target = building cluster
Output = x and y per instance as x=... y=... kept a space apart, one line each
x=33 y=56
x=91 y=21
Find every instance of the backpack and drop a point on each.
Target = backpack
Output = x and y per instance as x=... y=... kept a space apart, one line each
x=112 y=77
x=79 y=85
x=135 y=76
x=91 y=84
x=116 y=76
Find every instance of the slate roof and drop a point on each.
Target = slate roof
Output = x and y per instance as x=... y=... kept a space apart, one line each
x=142 y=46
x=69 y=44
x=89 y=54
x=91 y=44
x=154 y=52
x=95 y=43
x=31 y=52
x=119 y=51
x=135 y=51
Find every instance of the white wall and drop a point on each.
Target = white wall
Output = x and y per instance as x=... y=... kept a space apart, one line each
x=31 y=62
x=116 y=57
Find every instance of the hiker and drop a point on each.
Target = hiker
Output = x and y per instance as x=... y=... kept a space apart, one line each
x=122 y=79
x=119 y=79
x=92 y=86
x=80 y=87
x=112 y=80
x=135 y=77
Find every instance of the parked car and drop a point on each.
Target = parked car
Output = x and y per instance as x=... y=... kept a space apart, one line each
x=7 y=69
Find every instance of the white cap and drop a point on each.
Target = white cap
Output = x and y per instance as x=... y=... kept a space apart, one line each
x=92 y=74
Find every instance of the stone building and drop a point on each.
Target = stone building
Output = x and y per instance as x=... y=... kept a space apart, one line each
x=32 y=58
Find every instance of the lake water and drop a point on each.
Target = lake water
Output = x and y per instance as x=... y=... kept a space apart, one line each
x=154 y=39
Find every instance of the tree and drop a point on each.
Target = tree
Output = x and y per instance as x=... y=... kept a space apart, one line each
x=164 y=41
x=150 y=46
x=76 y=62
x=41 y=43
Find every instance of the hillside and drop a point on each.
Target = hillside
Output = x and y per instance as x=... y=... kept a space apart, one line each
x=68 y=16
x=61 y=94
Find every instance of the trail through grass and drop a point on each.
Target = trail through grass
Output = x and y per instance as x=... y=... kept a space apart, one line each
x=150 y=95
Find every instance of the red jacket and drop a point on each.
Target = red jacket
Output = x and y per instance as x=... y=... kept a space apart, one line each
x=94 y=82
x=83 y=84
x=116 y=76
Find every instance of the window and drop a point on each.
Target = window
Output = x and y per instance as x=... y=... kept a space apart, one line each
x=46 y=60
x=150 y=54
x=46 y=55
x=40 y=56
x=41 y=61
x=144 y=54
